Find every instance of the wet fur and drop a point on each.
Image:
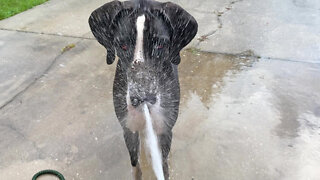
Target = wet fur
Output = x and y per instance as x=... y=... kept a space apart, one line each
x=168 y=26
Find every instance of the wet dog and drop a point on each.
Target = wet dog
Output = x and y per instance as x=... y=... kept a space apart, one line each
x=147 y=36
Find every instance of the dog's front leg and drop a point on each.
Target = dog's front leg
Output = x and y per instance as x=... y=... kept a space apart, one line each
x=136 y=172
x=133 y=145
x=165 y=144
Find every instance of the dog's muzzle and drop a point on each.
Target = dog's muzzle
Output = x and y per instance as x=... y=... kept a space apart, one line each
x=136 y=101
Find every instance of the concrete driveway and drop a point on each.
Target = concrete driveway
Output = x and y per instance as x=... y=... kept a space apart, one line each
x=250 y=94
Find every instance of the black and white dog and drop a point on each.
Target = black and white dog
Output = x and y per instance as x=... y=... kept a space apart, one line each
x=147 y=36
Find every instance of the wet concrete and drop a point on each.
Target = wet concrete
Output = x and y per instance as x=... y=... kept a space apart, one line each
x=241 y=117
x=235 y=120
x=261 y=122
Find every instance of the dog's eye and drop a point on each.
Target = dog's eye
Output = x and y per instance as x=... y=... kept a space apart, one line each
x=124 y=47
x=159 y=47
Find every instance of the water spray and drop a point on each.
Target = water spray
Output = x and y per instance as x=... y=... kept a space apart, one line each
x=152 y=145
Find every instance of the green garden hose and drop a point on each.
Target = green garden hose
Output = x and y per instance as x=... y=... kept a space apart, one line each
x=48 y=171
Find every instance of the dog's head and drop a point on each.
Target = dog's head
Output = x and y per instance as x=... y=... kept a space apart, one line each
x=167 y=28
x=146 y=35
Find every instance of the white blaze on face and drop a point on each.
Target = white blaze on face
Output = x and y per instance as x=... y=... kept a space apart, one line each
x=138 y=53
x=135 y=118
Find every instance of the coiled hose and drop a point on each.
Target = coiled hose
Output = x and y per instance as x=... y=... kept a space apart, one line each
x=48 y=171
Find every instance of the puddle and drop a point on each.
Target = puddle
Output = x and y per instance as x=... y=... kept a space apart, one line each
x=202 y=73
x=246 y=119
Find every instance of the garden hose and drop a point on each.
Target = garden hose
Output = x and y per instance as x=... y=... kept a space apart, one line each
x=48 y=171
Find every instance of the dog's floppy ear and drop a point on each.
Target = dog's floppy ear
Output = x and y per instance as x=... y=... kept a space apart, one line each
x=101 y=21
x=184 y=26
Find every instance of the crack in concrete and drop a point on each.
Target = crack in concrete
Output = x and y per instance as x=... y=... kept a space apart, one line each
x=49 y=34
x=24 y=138
x=206 y=36
x=292 y=60
x=14 y=129
x=33 y=82
x=225 y=9
x=220 y=24
x=35 y=79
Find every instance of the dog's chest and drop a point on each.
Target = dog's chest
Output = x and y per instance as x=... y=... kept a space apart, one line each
x=135 y=119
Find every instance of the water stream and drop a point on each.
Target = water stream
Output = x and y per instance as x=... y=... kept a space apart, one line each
x=152 y=145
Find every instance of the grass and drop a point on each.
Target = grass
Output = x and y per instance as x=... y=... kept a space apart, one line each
x=11 y=7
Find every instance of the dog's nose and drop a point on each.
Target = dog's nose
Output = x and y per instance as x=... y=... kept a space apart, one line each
x=136 y=101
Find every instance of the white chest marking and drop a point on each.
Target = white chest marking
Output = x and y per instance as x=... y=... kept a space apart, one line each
x=135 y=120
x=138 y=52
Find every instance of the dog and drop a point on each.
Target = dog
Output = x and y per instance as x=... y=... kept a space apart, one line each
x=147 y=36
